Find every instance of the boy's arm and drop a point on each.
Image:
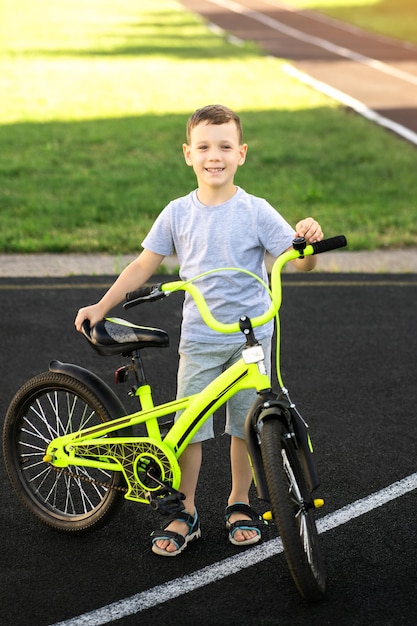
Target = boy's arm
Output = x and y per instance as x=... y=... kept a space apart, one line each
x=311 y=230
x=132 y=277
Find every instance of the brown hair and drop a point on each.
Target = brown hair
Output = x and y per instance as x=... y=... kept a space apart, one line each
x=213 y=114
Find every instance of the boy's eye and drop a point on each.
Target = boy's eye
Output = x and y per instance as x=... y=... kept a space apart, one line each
x=225 y=146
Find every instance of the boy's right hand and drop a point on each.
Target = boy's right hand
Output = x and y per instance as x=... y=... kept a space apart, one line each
x=92 y=313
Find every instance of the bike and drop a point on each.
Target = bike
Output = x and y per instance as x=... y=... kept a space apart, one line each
x=72 y=456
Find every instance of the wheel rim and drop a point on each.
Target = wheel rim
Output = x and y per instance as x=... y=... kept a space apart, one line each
x=74 y=492
x=300 y=512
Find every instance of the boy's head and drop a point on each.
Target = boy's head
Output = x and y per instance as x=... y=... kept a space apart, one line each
x=213 y=114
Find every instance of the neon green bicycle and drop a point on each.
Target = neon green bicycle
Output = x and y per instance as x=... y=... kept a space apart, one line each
x=72 y=456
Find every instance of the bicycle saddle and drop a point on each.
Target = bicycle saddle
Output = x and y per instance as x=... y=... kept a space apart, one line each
x=113 y=336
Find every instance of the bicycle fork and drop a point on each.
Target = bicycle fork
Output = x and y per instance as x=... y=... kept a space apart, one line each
x=267 y=406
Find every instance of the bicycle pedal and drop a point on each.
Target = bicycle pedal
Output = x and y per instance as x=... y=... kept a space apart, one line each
x=167 y=503
x=267 y=516
x=318 y=503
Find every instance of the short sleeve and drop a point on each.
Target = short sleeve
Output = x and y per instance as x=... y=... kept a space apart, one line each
x=160 y=239
x=275 y=234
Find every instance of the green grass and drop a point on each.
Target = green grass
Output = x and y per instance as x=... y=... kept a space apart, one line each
x=95 y=97
x=395 y=18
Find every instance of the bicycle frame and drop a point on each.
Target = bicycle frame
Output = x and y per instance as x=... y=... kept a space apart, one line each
x=95 y=447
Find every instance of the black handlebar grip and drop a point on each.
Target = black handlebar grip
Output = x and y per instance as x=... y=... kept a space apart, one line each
x=139 y=293
x=144 y=294
x=332 y=243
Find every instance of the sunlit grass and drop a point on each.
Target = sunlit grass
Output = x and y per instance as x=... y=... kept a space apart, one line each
x=76 y=89
x=98 y=60
x=395 y=18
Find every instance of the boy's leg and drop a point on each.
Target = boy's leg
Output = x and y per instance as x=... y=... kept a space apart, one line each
x=199 y=365
x=241 y=471
x=241 y=482
x=190 y=463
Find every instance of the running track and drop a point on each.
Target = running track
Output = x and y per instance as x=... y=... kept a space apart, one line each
x=373 y=75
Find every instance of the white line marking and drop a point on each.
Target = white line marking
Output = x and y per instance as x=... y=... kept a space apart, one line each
x=354 y=104
x=316 y=41
x=367 y=504
x=210 y=574
x=347 y=27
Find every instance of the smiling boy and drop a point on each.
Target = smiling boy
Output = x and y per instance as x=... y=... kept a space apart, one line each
x=216 y=225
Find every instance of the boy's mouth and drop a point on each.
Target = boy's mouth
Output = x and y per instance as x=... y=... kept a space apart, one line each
x=214 y=169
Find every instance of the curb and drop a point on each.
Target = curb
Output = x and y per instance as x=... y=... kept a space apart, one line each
x=61 y=265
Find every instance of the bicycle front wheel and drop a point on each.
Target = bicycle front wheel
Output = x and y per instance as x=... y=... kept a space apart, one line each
x=292 y=510
x=73 y=500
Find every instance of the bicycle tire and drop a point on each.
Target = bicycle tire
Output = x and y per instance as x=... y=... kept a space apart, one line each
x=292 y=510
x=46 y=406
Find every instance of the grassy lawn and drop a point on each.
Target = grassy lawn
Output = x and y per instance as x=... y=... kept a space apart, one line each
x=395 y=18
x=95 y=97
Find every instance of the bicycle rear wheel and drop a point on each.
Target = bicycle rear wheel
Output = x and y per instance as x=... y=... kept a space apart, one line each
x=292 y=510
x=73 y=500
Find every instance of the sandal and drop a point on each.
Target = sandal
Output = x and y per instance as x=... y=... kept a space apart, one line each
x=254 y=523
x=181 y=542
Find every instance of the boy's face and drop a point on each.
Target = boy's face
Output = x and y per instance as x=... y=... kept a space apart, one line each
x=214 y=152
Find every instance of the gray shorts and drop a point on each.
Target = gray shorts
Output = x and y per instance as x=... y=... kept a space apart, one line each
x=199 y=364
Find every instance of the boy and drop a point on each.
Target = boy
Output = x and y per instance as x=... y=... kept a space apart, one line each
x=216 y=225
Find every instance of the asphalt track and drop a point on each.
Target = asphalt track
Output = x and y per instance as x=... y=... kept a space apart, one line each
x=349 y=362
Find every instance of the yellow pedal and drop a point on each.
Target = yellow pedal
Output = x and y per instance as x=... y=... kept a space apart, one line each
x=318 y=503
x=267 y=516
x=48 y=458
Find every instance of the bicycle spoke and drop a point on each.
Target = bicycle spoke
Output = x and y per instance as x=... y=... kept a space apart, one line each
x=299 y=506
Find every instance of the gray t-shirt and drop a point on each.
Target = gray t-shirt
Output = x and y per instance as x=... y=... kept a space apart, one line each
x=234 y=234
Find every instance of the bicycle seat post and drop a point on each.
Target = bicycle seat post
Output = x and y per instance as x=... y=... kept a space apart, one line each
x=142 y=389
x=137 y=366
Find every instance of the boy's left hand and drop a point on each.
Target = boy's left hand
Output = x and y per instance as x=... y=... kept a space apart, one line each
x=310 y=229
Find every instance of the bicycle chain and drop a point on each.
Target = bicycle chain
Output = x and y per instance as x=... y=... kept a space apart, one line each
x=167 y=505
x=86 y=479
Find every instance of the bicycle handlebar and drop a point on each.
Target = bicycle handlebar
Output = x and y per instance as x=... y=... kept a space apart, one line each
x=299 y=250
x=332 y=243
x=144 y=294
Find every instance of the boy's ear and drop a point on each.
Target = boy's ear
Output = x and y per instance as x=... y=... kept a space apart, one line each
x=243 y=151
x=186 y=151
